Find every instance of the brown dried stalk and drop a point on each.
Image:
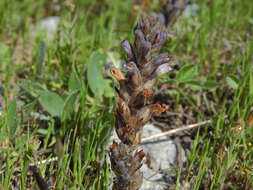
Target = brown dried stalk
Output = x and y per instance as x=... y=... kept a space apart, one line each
x=172 y=10
x=142 y=69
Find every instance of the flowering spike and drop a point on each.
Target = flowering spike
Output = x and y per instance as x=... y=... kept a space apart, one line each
x=142 y=68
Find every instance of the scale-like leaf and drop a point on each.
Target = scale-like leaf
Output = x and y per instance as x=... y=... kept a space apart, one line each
x=210 y=84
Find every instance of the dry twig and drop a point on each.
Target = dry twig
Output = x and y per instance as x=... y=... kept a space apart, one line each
x=173 y=131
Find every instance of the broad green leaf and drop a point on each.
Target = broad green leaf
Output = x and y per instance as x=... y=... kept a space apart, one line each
x=51 y=102
x=108 y=91
x=210 y=84
x=74 y=82
x=186 y=73
x=12 y=121
x=69 y=104
x=232 y=82
x=96 y=81
x=195 y=85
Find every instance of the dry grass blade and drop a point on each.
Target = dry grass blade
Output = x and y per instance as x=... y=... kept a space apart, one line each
x=173 y=131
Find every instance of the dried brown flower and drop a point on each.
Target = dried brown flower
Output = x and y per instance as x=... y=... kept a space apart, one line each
x=173 y=9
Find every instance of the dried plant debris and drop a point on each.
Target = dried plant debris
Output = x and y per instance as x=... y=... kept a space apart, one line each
x=41 y=182
x=172 y=10
x=137 y=79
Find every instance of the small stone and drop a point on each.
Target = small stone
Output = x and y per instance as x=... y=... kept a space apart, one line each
x=48 y=25
x=163 y=153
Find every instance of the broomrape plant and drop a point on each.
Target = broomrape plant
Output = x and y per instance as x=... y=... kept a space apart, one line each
x=142 y=68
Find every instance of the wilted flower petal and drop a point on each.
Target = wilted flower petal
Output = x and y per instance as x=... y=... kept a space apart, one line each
x=162 y=69
x=142 y=48
x=161 y=38
x=172 y=9
x=125 y=44
x=149 y=84
x=124 y=109
x=134 y=75
x=117 y=74
x=144 y=115
x=149 y=68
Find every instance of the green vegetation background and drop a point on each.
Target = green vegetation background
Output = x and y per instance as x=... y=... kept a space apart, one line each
x=58 y=101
